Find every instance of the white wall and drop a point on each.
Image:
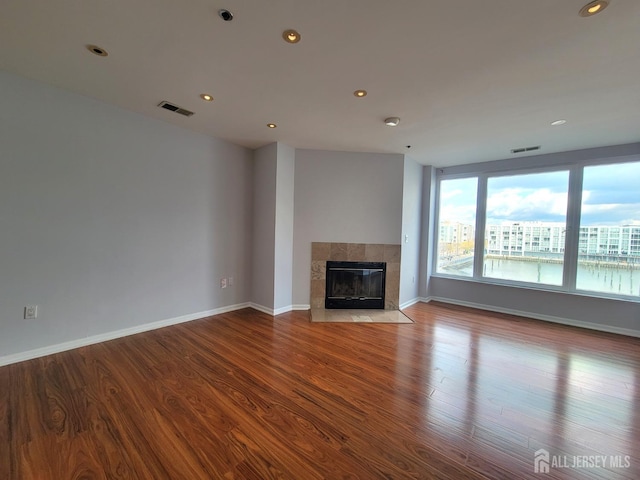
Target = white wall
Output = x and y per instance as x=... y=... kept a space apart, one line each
x=599 y=313
x=111 y=220
x=264 y=221
x=411 y=228
x=343 y=197
x=427 y=228
x=283 y=268
x=272 y=269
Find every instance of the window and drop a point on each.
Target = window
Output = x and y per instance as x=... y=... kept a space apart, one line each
x=523 y=206
x=575 y=228
x=457 y=220
x=609 y=259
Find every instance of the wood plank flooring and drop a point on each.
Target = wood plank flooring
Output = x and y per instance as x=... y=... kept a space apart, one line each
x=459 y=394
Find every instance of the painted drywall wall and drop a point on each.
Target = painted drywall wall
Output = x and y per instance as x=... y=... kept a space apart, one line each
x=343 y=197
x=411 y=228
x=264 y=221
x=427 y=228
x=283 y=268
x=111 y=220
x=604 y=314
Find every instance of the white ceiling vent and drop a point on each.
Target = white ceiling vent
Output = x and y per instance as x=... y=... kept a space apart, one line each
x=525 y=149
x=174 y=108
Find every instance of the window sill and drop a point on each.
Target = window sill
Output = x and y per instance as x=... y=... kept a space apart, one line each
x=538 y=287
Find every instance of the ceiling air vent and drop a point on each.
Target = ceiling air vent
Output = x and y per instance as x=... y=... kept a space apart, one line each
x=174 y=108
x=525 y=149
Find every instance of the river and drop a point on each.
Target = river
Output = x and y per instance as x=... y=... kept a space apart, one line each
x=621 y=280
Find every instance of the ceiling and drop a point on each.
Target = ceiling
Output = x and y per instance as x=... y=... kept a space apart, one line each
x=469 y=79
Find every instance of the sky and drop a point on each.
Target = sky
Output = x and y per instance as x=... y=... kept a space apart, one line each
x=611 y=196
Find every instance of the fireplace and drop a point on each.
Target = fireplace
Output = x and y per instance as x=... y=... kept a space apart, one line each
x=322 y=252
x=355 y=284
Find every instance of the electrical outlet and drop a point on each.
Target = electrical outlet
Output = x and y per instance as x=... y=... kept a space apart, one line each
x=31 y=311
x=230 y=282
x=223 y=283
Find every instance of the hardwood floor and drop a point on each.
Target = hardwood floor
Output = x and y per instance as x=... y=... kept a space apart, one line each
x=458 y=394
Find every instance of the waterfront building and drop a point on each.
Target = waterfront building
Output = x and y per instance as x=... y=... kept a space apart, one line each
x=541 y=239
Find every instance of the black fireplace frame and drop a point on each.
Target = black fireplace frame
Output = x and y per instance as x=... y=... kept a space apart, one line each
x=333 y=302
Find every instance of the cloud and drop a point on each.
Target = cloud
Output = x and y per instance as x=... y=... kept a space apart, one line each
x=610 y=214
x=448 y=195
x=523 y=204
x=458 y=213
x=611 y=196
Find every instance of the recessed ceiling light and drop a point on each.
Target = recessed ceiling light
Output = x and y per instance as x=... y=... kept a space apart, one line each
x=360 y=93
x=558 y=122
x=291 y=36
x=99 y=51
x=392 y=121
x=206 y=97
x=593 y=8
x=271 y=125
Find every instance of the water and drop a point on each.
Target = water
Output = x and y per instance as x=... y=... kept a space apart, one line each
x=621 y=280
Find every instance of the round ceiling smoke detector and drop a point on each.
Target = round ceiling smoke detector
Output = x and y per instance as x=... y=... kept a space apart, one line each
x=391 y=121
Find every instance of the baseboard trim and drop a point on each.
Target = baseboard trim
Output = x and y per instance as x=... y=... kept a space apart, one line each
x=281 y=310
x=546 y=318
x=413 y=301
x=104 y=337
x=278 y=311
x=261 y=308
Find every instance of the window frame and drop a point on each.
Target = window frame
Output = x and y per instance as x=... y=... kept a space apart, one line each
x=543 y=164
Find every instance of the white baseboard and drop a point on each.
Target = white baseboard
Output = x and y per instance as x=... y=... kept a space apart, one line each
x=103 y=337
x=547 y=318
x=261 y=308
x=125 y=332
x=278 y=311
x=271 y=311
x=410 y=302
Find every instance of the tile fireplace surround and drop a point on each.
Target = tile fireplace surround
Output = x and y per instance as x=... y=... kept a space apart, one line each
x=355 y=252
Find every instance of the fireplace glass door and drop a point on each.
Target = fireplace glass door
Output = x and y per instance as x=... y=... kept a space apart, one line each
x=355 y=285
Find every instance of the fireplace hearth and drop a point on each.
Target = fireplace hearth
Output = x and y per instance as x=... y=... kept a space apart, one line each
x=355 y=284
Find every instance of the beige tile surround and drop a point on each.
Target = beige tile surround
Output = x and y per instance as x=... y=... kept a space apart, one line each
x=355 y=252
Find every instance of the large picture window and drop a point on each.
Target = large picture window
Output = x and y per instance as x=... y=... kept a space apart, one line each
x=572 y=229
x=609 y=244
x=525 y=227
x=456 y=232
